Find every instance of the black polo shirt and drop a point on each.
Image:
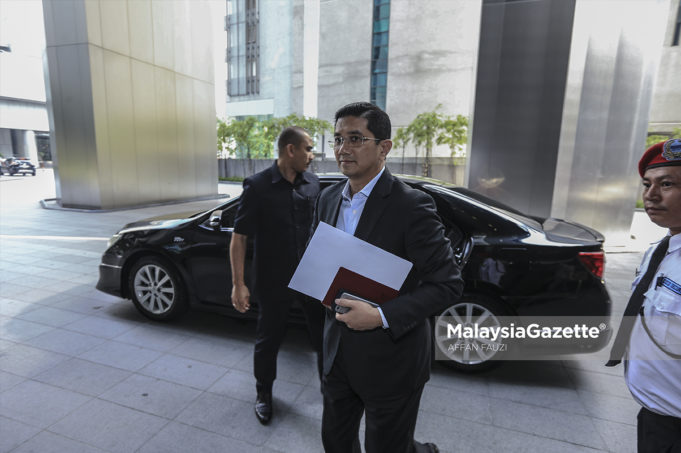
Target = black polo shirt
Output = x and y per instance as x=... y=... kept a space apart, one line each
x=278 y=216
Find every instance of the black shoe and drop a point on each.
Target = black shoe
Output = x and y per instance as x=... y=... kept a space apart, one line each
x=432 y=447
x=263 y=408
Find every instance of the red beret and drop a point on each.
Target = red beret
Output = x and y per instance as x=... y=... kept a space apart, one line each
x=661 y=154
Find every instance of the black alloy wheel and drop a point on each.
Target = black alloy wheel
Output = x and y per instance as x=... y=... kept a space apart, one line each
x=156 y=289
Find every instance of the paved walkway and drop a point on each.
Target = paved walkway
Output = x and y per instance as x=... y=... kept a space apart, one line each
x=81 y=371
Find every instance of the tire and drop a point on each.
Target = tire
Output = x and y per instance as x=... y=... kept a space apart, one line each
x=156 y=289
x=33 y=173
x=470 y=355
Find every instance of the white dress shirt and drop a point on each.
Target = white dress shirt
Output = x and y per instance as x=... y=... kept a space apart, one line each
x=351 y=210
x=654 y=377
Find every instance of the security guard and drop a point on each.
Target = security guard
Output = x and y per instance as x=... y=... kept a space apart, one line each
x=652 y=322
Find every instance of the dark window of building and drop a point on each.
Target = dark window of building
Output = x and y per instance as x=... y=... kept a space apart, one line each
x=243 y=49
x=677 y=27
x=379 y=52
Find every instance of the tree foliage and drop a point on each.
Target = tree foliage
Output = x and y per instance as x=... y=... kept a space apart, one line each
x=431 y=128
x=252 y=138
x=652 y=139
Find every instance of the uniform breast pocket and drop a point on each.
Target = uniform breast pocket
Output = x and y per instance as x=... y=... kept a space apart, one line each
x=664 y=318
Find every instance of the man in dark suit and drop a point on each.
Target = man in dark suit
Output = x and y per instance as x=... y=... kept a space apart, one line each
x=276 y=211
x=377 y=360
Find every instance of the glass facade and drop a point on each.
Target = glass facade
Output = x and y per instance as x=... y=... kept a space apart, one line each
x=243 y=48
x=379 y=52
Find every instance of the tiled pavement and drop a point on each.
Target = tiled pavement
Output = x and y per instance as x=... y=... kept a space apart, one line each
x=81 y=371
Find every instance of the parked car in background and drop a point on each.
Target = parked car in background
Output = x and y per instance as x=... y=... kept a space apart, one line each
x=17 y=165
x=515 y=266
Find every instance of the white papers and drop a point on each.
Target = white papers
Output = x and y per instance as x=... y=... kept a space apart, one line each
x=331 y=248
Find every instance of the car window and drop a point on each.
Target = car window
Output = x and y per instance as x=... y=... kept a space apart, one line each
x=474 y=216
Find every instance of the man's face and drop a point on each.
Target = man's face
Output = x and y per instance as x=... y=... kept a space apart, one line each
x=360 y=162
x=662 y=197
x=303 y=154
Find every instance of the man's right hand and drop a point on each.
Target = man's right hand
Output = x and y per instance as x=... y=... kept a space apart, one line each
x=241 y=297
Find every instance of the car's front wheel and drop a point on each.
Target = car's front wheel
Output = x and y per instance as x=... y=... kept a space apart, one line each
x=156 y=289
x=463 y=352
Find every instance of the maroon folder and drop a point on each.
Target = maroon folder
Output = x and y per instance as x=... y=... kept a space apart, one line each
x=354 y=283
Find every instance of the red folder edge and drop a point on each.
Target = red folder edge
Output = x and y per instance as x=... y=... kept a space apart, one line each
x=359 y=285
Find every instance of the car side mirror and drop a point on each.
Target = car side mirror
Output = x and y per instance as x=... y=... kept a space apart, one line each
x=215 y=219
x=463 y=251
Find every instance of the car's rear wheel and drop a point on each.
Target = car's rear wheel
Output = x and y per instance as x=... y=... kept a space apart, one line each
x=470 y=354
x=156 y=289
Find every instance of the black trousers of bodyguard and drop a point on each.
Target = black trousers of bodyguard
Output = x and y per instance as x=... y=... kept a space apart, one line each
x=271 y=330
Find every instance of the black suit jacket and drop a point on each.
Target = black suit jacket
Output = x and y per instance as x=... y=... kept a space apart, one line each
x=402 y=221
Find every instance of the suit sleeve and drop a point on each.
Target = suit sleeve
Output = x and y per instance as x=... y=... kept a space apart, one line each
x=439 y=277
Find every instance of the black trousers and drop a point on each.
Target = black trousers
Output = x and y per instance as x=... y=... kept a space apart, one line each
x=658 y=433
x=389 y=420
x=270 y=333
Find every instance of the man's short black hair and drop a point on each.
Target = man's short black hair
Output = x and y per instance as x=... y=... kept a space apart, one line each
x=378 y=122
x=292 y=135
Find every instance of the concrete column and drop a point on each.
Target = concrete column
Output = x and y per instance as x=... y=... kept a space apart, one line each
x=130 y=99
x=562 y=101
x=26 y=146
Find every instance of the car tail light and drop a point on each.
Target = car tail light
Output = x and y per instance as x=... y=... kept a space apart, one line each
x=594 y=261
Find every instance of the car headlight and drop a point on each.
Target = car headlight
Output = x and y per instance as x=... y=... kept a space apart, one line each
x=115 y=238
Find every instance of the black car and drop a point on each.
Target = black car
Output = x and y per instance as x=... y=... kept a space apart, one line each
x=17 y=165
x=516 y=266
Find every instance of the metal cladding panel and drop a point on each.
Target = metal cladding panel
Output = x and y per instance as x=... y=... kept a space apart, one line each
x=77 y=173
x=522 y=64
x=121 y=125
x=146 y=125
x=608 y=97
x=125 y=120
x=562 y=102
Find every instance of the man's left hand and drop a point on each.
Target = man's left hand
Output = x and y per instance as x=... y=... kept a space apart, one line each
x=361 y=316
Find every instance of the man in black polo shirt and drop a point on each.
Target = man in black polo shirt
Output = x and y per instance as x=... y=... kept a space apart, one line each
x=276 y=210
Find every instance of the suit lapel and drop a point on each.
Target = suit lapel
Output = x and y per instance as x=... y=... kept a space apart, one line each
x=330 y=214
x=375 y=205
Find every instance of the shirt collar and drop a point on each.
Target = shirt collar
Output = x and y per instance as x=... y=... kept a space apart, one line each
x=300 y=177
x=674 y=243
x=366 y=190
x=276 y=174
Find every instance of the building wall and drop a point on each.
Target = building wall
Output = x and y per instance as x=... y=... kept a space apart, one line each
x=432 y=56
x=276 y=41
x=131 y=101
x=665 y=114
x=344 y=54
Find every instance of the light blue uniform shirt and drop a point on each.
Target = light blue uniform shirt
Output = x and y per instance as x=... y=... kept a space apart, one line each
x=651 y=375
x=351 y=210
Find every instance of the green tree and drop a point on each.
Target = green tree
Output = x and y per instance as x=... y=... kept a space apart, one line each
x=454 y=133
x=222 y=136
x=314 y=126
x=252 y=138
x=244 y=139
x=652 y=139
x=400 y=140
x=431 y=128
